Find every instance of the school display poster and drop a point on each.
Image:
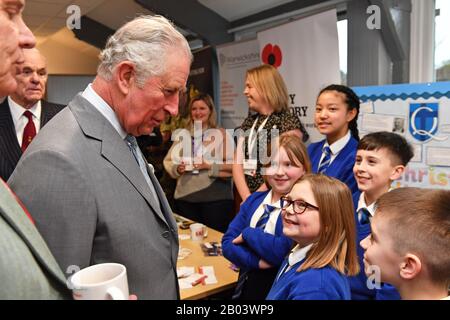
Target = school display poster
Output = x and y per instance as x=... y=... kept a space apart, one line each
x=234 y=60
x=306 y=52
x=421 y=113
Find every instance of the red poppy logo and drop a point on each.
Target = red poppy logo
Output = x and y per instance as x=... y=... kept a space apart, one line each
x=272 y=55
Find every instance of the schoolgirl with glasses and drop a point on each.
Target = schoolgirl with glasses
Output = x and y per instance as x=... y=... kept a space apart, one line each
x=317 y=215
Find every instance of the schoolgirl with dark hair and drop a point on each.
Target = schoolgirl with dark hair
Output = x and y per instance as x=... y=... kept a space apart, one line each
x=336 y=115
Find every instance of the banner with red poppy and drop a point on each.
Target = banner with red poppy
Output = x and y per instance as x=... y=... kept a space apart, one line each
x=306 y=52
x=234 y=60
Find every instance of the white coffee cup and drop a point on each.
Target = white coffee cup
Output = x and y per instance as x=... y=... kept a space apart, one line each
x=198 y=231
x=105 y=281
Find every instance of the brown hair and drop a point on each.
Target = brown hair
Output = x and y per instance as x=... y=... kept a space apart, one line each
x=270 y=85
x=419 y=223
x=399 y=150
x=212 y=120
x=336 y=244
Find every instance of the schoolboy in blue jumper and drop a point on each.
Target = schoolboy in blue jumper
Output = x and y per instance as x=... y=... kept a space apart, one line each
x=318 y=217
x=337 y=109
x=418 y=266
x=381 y=158
x=254 y=240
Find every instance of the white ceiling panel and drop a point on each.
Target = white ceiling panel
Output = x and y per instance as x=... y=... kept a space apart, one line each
x=235 y=9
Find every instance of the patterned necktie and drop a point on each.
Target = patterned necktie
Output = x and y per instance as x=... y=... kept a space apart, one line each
x=364 y=216
x=29 y=132
x=325 y=163
x=132 y=144
x=261 y=224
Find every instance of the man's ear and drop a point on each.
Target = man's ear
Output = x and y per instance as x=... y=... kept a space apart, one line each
x=124 y=75
x=397 y=172
x=410 y=266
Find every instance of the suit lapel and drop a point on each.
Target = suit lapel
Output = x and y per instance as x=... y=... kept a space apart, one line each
x=113 y=148
x=9 y=146
x=165 y=207
x=13 y=213
x=46 y=114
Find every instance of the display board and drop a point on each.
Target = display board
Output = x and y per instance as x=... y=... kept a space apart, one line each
x=421 y=113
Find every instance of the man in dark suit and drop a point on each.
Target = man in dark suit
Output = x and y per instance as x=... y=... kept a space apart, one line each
x=24 y=112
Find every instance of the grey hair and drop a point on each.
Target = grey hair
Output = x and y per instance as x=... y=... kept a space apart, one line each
x=144 y=41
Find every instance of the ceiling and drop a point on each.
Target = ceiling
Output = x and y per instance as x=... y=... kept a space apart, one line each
x=208 y=20
x=227 y=8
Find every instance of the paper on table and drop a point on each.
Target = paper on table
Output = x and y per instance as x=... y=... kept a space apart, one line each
x=192 y=280
x=184 y=272
x=209 y=271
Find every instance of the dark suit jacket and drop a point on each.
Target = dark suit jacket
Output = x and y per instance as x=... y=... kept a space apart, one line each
x=10 y=151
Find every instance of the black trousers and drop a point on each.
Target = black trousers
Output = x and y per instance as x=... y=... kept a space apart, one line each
x=258 y=284
x=214 y=214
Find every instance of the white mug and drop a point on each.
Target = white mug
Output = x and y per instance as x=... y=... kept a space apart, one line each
x=105 y=281
x=198 y=231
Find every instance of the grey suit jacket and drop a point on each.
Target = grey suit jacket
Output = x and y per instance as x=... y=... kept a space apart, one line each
x=27 y=268
x=91 y=203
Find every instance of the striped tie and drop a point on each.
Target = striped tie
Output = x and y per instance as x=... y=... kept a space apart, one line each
x=326 y=159
x=364 y=216
x=261 y=224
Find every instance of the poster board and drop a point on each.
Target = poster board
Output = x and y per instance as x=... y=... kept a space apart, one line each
x=419 y=112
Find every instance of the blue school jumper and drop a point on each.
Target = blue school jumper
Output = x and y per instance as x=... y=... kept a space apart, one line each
x=342 y=166
x=258 y=245
x=358 y=283
x=312 y=284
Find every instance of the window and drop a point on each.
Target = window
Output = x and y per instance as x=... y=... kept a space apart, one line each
x=442 y=41
x=342 y=35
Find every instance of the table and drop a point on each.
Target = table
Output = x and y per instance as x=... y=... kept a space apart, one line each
x=226 y=277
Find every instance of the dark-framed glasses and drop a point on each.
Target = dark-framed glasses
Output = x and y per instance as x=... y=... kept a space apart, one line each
x=299 y=206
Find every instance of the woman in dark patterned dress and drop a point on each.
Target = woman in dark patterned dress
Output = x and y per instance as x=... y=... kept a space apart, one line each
x=267 y=97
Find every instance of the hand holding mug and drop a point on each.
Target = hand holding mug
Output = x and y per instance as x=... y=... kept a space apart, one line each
x=105 y=281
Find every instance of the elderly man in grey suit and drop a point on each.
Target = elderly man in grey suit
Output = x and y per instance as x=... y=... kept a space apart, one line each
x=85 y=182
x=27 y=268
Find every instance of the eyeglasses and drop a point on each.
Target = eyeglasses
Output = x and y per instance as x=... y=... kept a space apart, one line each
x=299 y=206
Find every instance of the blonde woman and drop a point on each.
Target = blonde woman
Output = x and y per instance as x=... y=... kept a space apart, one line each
x=267 y=97
x=203 y=192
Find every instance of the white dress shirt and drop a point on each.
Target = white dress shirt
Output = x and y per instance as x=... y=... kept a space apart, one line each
x=90 y=95
x=297 y=254
x=362 y=204
x=337 y=146
x=20 y=121
x=273 y=217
